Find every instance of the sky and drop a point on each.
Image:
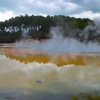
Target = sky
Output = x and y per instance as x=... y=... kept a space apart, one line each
x=73 y=8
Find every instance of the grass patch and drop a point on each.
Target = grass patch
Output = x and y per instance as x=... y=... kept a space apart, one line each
x=87 y=96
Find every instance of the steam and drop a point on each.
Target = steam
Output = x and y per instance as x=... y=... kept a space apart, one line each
x=24 y=36
x=92 y=31
x=60 y=44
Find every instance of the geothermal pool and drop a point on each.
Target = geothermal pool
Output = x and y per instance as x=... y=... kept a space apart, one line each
x=27 y=74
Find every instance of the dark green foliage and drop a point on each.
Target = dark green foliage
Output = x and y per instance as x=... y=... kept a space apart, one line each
x=68 y=24
x=7 y=37
x=38 y=35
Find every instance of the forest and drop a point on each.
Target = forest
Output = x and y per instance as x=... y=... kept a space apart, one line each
x=38 y=27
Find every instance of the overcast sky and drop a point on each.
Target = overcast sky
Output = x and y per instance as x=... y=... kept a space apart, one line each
x=76 y=8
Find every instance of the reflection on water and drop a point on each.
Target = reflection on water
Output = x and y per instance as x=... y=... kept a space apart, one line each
x=38 y=76
x=29 y=55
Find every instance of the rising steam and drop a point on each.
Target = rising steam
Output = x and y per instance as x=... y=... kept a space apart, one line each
x=58 y=43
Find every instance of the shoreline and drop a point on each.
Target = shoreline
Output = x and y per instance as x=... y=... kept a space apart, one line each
x=25 y=41
x=7 y=44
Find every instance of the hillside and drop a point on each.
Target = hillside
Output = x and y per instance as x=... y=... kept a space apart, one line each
x=39 y=27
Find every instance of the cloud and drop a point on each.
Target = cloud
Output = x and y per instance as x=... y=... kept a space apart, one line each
x=38 y=6
x=6 y=15
x=8 y=5
x=87 y=14
x=51 y=7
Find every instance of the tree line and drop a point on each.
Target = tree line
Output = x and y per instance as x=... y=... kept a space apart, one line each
x=38 y=27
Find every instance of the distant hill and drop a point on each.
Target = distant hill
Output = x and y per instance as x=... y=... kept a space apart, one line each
x=38 y=27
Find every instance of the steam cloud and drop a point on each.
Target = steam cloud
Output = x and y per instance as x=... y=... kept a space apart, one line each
x=59 y=44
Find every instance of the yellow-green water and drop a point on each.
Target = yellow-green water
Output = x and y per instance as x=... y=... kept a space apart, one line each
x=25 y=73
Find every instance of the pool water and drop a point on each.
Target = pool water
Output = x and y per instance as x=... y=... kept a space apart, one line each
x=26 y=74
